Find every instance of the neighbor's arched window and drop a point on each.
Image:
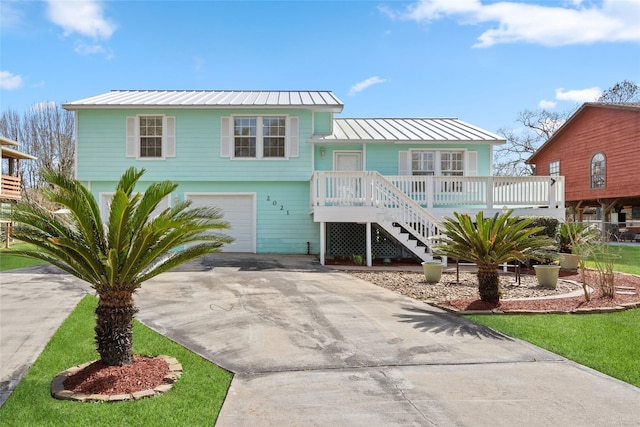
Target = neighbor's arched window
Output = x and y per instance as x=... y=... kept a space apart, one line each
x=597 y=171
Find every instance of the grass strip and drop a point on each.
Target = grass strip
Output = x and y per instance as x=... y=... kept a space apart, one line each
x=604 y=342
x=9 y=261
x=195 y=400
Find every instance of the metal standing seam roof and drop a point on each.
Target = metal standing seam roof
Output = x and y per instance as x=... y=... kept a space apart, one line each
x=407 y=130
x=209 y=99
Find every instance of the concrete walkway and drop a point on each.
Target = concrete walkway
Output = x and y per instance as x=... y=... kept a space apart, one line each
x=313 y=346
x=33 y=303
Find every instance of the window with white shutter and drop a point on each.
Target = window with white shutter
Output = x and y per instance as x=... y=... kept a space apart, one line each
x=259 y=137
x=151 y=137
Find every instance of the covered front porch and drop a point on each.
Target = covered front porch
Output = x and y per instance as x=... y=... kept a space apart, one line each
x=409 y=208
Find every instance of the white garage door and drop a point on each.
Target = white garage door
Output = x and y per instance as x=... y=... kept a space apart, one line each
x=239 y=212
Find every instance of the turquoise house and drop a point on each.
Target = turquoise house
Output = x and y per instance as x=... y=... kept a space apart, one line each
x=293 y=178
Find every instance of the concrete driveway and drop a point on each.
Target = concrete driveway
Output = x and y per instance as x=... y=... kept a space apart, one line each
x=310 y=346
x=313 y=346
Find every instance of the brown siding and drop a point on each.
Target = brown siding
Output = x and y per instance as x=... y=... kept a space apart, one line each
x=614 y=132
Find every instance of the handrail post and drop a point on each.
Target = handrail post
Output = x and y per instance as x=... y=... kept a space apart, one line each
x=490 y=191
x=368 y=188
x=322 y=189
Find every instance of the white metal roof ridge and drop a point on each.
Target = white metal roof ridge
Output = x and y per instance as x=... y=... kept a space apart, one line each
x=209 y=99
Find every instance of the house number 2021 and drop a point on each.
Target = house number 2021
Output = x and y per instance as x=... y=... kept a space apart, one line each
x=275 y=203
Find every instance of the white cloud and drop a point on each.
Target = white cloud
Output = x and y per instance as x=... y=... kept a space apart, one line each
x=85 y=17
x=11 y=15
x=359 y=87
x=579 y=95
x=88 y=49
x=573 y=23
x=10 y=81
x=547 y=105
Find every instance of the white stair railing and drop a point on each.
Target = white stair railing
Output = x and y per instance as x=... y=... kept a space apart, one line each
x=403 y=210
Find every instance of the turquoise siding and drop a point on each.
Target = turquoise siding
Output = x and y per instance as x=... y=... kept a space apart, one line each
x=284 y=221
x=322 y=122
x=102 y=136
x=384 y=157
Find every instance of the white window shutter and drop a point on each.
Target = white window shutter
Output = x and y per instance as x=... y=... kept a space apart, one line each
x=170 y=136
x=225 y=137
x=132 y=137
x=404 y=162
x=472 y=163
x=292 y=139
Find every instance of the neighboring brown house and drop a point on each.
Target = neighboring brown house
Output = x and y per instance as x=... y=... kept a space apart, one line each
x=10 y=181
x=598 y=152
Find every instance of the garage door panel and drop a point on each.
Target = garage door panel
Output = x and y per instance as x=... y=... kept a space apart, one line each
x=239 y=212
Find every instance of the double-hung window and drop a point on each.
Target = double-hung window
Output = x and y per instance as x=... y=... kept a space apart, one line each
x=151 y=136
x=244 y=136
x=259 y=136
x=452 y=164
x=423 y=162
x=554 y=168
x=439 y=163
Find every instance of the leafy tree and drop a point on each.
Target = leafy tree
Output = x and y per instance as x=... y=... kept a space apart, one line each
x=134 y=246
x=489 y=242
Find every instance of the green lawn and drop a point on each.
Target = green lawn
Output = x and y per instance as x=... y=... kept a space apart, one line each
x=628 y=261
x=195 y=400
x=605 y=342
x=9 y=262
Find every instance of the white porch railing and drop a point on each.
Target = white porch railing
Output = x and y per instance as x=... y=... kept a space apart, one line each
x=477 y=192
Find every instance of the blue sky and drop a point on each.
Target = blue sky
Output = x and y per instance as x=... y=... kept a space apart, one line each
x=480 y=61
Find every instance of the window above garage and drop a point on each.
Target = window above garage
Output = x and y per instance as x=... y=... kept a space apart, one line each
x=259 y=137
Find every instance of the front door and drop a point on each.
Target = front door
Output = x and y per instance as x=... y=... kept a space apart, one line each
x=347 y=161
x=348 y=187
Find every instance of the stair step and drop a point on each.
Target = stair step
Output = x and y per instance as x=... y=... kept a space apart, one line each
x=625 y=293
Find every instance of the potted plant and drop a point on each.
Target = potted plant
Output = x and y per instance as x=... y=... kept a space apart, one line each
x=432 y=270
x=547 y=275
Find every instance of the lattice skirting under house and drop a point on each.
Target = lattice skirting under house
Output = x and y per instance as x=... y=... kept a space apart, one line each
x=347 y=239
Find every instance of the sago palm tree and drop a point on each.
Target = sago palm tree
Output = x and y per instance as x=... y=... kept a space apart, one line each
x=489 y=242
x=115 y=259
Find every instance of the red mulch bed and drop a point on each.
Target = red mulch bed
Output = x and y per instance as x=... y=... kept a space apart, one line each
x=560 y=304
x=145 y=373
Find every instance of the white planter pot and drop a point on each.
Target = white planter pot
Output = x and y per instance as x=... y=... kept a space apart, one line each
x=569 y=261
x=432 y=271
x=547 y=275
